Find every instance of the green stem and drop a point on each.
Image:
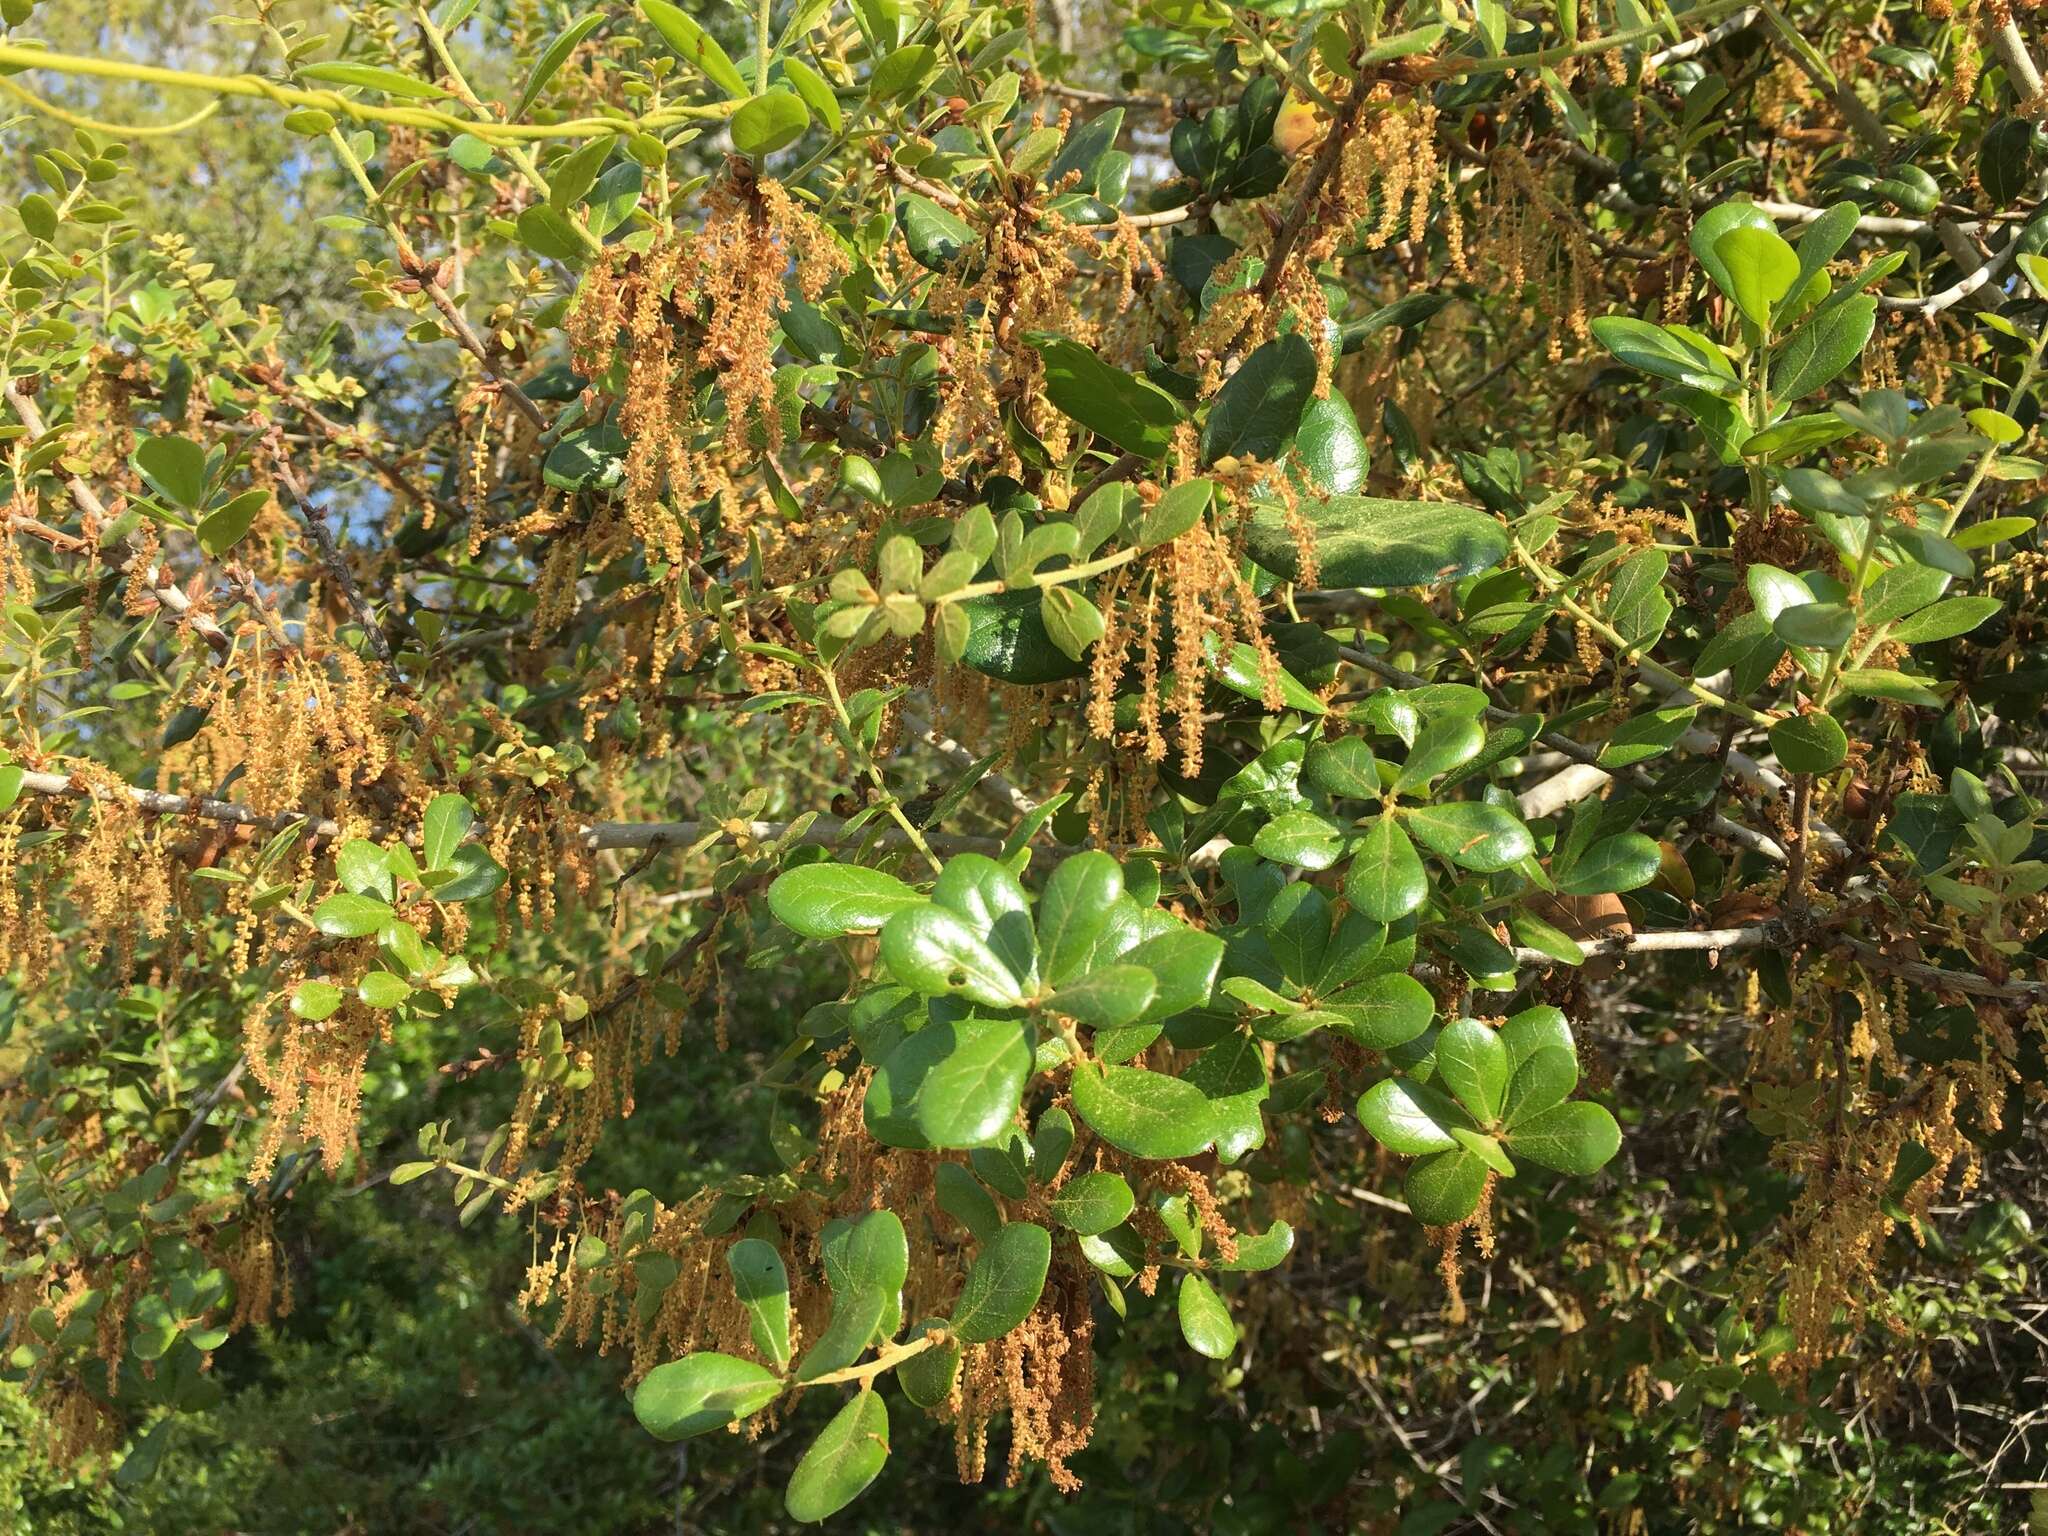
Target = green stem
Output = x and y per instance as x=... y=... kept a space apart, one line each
x=874 y=774
x=1546 y=582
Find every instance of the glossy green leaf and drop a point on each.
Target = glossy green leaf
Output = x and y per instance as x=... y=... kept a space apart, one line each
x=1447 y=742
x=1383 y=1011
x=1945 y=620
x=953 y=1084
x=1092 y=1203
x=1004 y=1283
x=226 y=525
x=762 y=1283
x=1576 y=1137
x=1812 y=355
x=1761 y=268
x=929 y=949
x=1106 y=997
x=770 y=121
x=823 y=901
x=346 y=915
x=1445 y=1188
x=1137 y=416
x=1386 y=879
x=1260 y=406
x=1204 y=1319
x=695 y=46
x=1810 y=743
x=1623 y=862
x=847 y=1455
x=1470 y=833
x=1409 y=1117
x=701 y=1392
x=1366 y=541
x=1472 y=1063
x=175 y=468
x=1146 y=1114
x=927 y=1379
x=1541 y=1081
x=1074 y=911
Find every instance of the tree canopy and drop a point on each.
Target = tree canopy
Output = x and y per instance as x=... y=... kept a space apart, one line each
x=1237 y=765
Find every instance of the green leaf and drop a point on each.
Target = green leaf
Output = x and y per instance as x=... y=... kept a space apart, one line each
x=1386 y=880
x=1107 y=997
x=815 y=90
x=2005 y=158
x=1576 y=1138
x=1204 y=1319
x=1138 y=416
x=1175 y=512
x=1714 y=226
x=961 y=1196
x=552 y=58
x=932 y=951
x=701 y=1392
x=857 y=1315
x=1447 y=742
x=1445 y=1189
x=1006 y=639
x=1367 y=541
x=372 y=77
x=1623 y=862
x=1146 y=1114
x=1636 y=603
x=905 y=70
x=1260 y=406
x=1383 y=1011
x=1541 y=1081
x=1183 y=962
x=1470 y=833
x=444 y=828
x=1809 y=743
x=1473 y=1064
x=1343 y=767
x=225 y=526
x=1302 y=839
x=763 y=1287
x=1822 y=348
x=345 y=915
x=772 y=120
x=1004 y=1284
x=694 y=45
x=1330 y=448
x=847 y=1455
x=934 y=236
x=1663 y=353
x=580 y=461
x=927 y=1379
x=1945 y=620
x=1818 y=626
x=1240 y=668
x=175 y=468
x=1071 y=621
x=1074 y=911
x=1410 y=1118
x=990 y=899
x=1093 y=1203
x=952 y=1084
x=477 y=874
x=871 y=1254
x=316 y=1000
x=381 y=989
x=1761 y=268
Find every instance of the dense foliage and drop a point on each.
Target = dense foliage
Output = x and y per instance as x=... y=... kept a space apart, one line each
x=1242 y=766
